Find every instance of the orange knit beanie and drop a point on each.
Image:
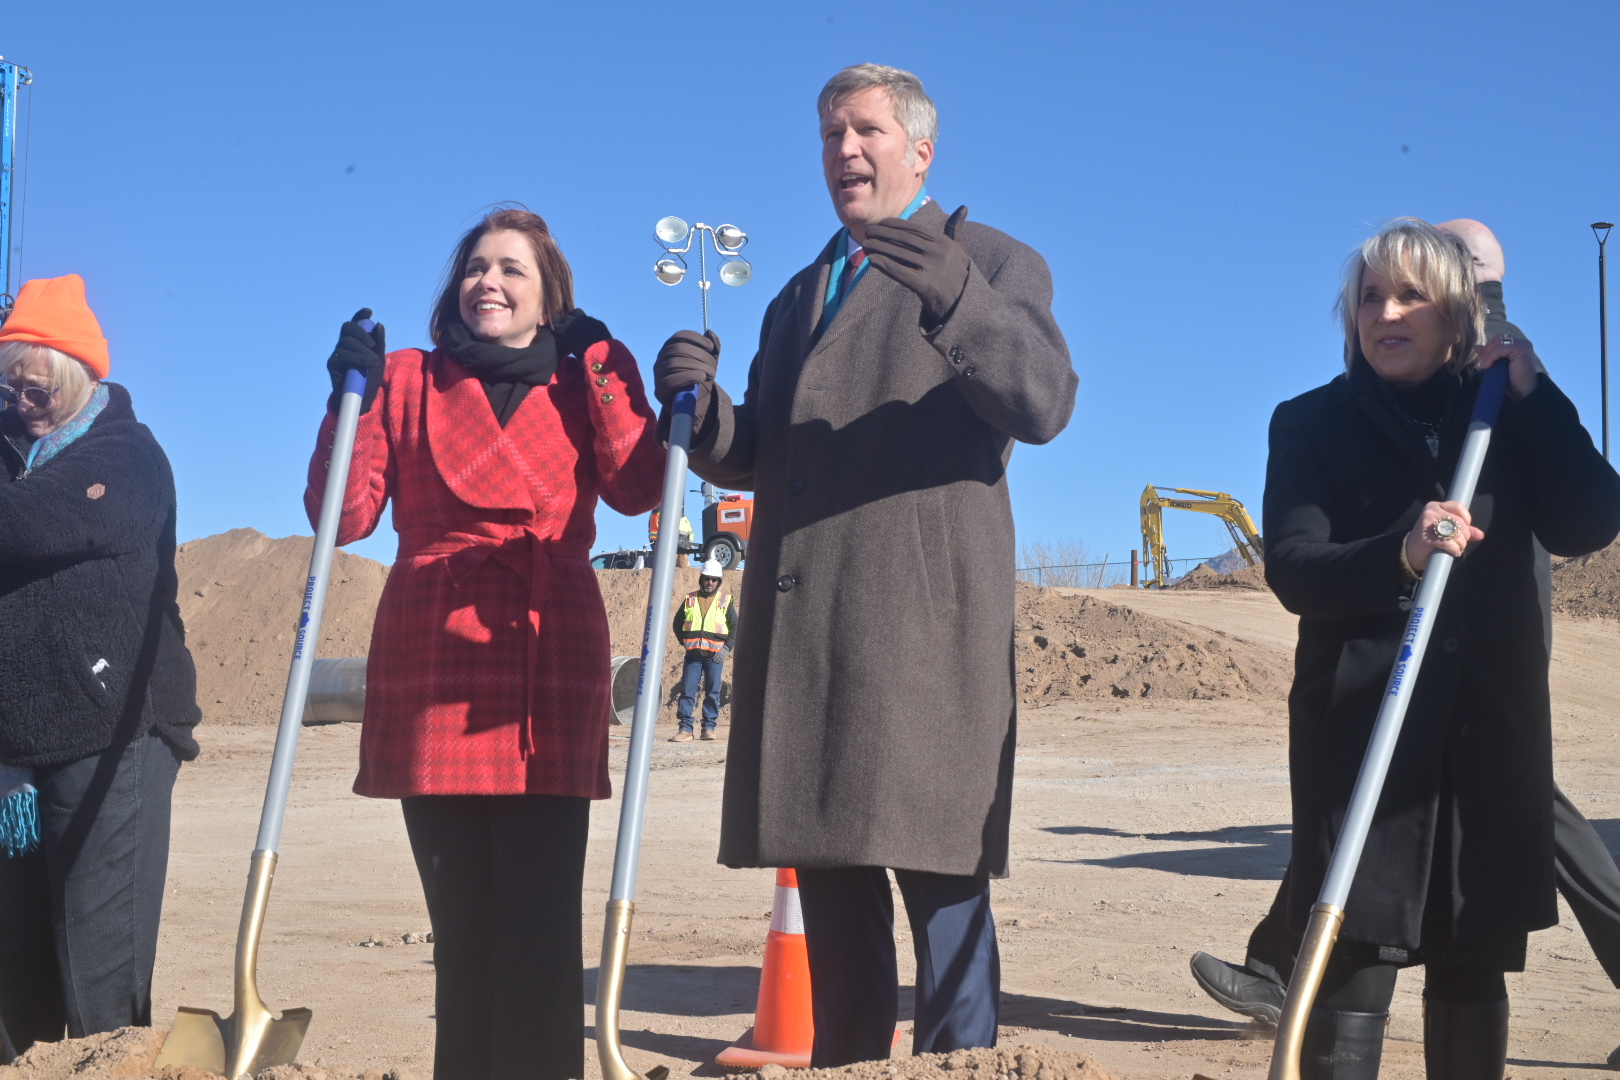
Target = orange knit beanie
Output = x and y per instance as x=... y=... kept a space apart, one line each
x=52 y=311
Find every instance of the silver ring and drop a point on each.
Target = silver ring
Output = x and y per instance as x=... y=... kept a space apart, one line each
x=1507 y=339
x=1445 y=528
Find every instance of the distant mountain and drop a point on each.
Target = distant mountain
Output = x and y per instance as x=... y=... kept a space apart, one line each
x=1227 y=563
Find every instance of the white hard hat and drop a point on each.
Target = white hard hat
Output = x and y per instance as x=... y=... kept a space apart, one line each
x=713 y=569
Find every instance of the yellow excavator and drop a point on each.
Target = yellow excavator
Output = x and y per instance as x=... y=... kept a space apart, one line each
x=1244 y=535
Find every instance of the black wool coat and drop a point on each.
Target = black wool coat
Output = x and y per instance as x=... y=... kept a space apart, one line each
x=873 y=706
x=1346 y=479
x=91 y=644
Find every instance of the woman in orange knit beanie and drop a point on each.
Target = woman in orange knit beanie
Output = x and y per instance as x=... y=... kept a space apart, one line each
x=99 y=698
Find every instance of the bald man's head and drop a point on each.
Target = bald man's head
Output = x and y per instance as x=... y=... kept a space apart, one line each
x=1489 y=262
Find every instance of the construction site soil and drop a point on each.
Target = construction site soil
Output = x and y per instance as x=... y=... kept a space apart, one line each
x=240 y=594
x=1203 y=576
x=1083 y=647
x=1589 y=584
x=132 y=1052
x=1024 y=1062
x=1145 y=827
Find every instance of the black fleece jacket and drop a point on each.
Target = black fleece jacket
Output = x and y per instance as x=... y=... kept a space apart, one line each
x=92 y=650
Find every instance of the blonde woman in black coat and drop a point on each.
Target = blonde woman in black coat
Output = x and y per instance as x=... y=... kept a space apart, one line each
x=1458 y=867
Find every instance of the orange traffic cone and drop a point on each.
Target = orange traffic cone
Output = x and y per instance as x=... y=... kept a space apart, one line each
x=784 y=1027
x=784 y=1023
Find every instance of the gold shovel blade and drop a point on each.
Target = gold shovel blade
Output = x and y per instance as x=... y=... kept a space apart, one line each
x=202 y=1038
x=252 y=1038
x=197 y=1038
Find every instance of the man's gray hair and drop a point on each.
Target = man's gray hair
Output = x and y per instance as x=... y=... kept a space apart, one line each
x=912 y=105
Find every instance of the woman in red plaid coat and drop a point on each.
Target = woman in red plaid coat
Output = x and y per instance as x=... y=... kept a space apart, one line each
x=487 y=695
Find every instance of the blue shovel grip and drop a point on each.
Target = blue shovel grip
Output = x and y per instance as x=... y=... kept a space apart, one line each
x=1492 y=388
x=355 y=381
x=686 y=400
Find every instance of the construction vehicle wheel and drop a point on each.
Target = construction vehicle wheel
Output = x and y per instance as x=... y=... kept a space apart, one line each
x=723 y=550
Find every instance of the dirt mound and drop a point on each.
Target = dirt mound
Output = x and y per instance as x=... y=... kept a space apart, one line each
x=1081 y=647
x=625 y=594
x=130 y=1052
x=1204 y=576
x=240 y=594
x=1589 y=584
x=1002 y=1063
x=241 y=591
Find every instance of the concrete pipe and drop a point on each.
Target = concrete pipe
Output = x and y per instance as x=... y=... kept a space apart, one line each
x=337 y=692
x=626 y=674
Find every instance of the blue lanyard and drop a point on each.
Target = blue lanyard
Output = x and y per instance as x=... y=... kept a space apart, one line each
x=836 y=296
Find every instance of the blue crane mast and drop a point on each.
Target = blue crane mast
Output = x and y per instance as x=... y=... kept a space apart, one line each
x=12 y=76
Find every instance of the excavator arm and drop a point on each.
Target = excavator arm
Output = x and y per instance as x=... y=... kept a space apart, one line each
x=1245 y=537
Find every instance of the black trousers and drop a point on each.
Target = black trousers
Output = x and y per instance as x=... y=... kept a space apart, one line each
x=79 y=917
x=854 y=979
x=1587 y=876
x=503 y=875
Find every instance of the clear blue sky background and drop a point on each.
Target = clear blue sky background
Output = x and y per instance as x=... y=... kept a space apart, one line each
x=234 y=180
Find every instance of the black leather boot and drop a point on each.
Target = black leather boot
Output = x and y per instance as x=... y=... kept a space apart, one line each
x=1465 y=1042
x=1239 y=988
x=1343 y=1045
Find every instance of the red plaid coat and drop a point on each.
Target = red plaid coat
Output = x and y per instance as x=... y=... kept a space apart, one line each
x=489 y=660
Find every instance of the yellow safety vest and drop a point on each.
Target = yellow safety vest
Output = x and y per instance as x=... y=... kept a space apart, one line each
x=652 y=528
x=706 y=631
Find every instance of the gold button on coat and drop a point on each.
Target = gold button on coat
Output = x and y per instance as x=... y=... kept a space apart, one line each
x=607 y=398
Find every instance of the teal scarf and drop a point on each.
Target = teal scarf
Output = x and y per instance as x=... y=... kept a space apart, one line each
x=19 y=811
x=836 y=293
x=60 y=439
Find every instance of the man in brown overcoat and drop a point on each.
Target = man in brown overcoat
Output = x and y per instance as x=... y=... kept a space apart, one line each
x=873 y=706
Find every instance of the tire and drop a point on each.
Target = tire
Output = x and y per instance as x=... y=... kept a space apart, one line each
x=723 y=550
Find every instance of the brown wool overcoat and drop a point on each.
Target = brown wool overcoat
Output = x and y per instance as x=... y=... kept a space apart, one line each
x=873 y=707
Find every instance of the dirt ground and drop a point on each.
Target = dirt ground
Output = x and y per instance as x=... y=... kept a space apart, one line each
x=1142 y=831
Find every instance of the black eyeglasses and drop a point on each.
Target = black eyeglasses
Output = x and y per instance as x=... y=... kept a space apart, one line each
x=37 y=396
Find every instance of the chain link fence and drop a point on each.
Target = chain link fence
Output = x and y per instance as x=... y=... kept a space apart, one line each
x=1098 y=575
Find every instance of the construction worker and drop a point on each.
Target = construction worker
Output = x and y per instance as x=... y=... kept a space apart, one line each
x=685 y=533
x=873 y=706
x=705 y=624
x=1585 y=872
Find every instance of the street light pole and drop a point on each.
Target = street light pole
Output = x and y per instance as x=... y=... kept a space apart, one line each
x=1603 y=327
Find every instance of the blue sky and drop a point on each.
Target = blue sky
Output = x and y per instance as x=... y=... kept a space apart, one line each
x=233 y=181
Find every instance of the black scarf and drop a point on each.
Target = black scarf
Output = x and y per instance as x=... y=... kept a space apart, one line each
x=507 y=373
x=1425 y=408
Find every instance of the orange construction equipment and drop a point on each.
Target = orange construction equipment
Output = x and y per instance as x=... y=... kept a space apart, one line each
x=784 y=1026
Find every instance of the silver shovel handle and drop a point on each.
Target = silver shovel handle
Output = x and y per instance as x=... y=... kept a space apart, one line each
x=633 y=811
x=308 y=631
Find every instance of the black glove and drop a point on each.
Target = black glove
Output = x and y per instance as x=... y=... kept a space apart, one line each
x=934 y=267
x=576 y=331
x=686 y=359
x=357 y=350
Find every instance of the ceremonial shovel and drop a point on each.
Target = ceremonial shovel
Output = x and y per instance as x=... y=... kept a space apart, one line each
x=251 y=1038
x=621 y=905
x=1327 y=916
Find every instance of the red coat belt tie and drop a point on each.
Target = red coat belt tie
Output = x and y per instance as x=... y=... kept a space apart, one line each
x=524 y=554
